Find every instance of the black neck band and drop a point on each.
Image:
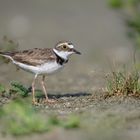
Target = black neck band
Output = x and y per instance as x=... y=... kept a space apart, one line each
x=60 y=60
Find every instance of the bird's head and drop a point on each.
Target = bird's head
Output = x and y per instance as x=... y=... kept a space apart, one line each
x=65 y=49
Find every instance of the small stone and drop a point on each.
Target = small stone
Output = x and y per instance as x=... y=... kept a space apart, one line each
x=76 y=108
x=68 y=104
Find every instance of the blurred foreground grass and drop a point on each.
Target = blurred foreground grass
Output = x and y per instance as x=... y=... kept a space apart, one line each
x=20 y=118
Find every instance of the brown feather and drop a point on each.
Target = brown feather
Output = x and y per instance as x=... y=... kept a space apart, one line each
x=34 y=57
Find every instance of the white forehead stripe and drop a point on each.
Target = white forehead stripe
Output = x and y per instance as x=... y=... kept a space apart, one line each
x=65 y=43
x=71 y=46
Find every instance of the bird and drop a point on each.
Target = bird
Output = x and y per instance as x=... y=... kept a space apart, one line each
x=42 y=62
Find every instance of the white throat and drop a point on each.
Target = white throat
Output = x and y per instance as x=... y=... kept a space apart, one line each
x=62 y=54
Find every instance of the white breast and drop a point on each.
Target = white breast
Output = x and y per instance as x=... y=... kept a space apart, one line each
x=46 y=68
x=49 y=67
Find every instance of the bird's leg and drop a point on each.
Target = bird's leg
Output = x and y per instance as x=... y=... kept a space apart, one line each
x=45 y=91
x=43 y=86
x=33 y=91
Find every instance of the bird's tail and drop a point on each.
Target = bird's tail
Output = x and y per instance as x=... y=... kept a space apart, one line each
x=6 y=55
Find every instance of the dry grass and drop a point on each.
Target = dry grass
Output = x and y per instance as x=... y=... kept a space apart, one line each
x=123 y=84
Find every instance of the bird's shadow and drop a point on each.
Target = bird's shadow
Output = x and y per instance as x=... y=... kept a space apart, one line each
x=78 y=94
x=59 y=95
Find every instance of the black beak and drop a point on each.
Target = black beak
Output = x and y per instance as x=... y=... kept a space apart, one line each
x=75 y=51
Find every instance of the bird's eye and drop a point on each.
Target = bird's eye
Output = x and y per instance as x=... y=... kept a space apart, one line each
x=64 y=46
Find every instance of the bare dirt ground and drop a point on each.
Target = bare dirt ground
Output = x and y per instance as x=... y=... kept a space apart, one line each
x=100 y=118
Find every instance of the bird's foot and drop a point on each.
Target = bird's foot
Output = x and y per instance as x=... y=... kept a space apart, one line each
x=50 y=101
x=35 y=103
